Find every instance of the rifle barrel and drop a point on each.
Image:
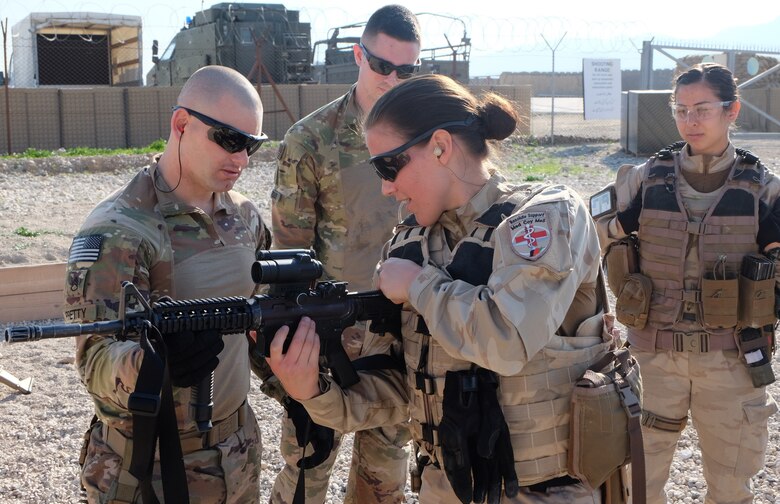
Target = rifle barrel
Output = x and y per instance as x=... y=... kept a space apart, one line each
x=19 y=334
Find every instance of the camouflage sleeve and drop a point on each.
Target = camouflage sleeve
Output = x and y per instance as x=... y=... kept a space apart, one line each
x=294 y=197
x=543 y=253
x=627 y=184
x=380 y=398
x=101 y=258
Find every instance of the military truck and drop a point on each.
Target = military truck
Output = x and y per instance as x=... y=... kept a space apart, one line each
x=265 y=42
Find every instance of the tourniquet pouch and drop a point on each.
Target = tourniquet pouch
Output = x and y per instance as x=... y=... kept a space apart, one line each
x=719 y=301
x=633 y=300
x=620 y=259
x=756 y=302
x=605 y=412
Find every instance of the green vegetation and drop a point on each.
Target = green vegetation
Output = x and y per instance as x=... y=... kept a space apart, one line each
x=152 y=148
x=31 y=233
x=534 y=164
x=23 y=231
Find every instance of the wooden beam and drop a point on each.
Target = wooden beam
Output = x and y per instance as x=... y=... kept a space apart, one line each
x=32 y=292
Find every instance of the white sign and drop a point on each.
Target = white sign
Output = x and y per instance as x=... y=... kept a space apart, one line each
x=601 y=81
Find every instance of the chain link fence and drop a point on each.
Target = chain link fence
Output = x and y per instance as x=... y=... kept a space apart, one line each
x=64 y=66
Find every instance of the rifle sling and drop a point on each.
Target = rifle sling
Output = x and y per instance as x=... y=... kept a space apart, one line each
x=154 y=380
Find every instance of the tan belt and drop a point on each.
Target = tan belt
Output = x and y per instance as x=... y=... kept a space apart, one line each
x=190 y=441
x=694 y=341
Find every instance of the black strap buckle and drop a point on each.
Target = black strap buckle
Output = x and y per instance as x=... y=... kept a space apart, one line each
x=424 y=383
x=144 y=404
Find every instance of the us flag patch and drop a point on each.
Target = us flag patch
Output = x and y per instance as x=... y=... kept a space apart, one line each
x=85 y=248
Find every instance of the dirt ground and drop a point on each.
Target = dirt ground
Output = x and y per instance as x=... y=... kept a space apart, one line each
x=43 y=203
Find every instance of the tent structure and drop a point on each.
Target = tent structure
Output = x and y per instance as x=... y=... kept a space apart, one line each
x=76 y=49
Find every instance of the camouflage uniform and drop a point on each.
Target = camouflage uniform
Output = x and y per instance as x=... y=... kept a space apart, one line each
x=711 y=381
x=508 y=283
x=166 y=248
x=328 y=197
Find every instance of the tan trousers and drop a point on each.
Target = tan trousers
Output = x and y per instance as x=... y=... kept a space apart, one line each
x=728 y=413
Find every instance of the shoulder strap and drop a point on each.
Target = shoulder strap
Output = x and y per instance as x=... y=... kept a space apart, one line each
x=379 y=361
x=154 y=418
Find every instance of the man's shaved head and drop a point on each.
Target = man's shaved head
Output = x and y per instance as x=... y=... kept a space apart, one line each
x=211 y=83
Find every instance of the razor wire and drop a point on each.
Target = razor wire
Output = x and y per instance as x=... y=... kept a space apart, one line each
x=61 y=58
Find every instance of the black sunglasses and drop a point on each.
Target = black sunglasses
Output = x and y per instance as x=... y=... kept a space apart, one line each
x=384 y=67
x=226 y=136
x=388 y=164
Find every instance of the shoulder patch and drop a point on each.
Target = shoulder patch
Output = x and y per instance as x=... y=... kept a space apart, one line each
x=530 y=234
x=85 y=248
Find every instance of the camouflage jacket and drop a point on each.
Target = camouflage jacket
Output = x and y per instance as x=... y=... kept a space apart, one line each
x=328 y=197
x=166 y=248
x=508 y=283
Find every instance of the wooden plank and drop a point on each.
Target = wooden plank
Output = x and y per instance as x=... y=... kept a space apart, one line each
x=32 y=278
x=31 y=292
x=38 y=306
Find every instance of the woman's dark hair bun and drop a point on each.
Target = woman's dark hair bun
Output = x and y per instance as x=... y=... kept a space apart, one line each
x=499 y=118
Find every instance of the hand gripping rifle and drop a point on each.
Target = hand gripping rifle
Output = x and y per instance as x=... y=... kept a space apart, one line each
x=294 y=293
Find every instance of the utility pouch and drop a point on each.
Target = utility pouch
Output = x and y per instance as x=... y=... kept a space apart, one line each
x=755 y=347
x=621 y=259
x=633 y=300
x=719 y=301
x=756 y=291
x=756 y=302
x=605 y=432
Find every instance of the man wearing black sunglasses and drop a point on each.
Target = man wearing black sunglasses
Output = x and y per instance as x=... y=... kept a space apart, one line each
x=327 y=197
x=178 y=230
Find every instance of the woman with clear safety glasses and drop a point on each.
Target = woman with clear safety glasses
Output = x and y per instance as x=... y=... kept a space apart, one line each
x=501 y=313
x=691 y=241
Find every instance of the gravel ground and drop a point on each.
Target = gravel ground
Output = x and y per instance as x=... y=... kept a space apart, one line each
x=41 y=433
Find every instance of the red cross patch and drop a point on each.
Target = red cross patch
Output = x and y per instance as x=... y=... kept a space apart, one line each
x=530 y=234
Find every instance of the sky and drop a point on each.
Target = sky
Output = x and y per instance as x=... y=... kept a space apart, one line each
x=518 y=36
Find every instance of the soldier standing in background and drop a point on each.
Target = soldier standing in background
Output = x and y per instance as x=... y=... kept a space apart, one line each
x=501 y=308
x=178 y=230
x=700 y=327
x=327 y=197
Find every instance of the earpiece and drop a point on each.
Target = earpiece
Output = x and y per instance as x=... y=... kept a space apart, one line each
x=437 y=151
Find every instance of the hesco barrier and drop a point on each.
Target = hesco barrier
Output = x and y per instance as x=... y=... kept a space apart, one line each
x=50 y=118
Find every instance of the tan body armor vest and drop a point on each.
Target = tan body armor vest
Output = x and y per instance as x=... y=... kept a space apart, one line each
x=535 y=402
x=722 y=238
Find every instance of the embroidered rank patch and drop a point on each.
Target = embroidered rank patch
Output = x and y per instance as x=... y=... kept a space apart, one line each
x=530 y=234
x=85 y=248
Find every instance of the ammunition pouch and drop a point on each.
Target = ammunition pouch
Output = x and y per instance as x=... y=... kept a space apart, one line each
x=756 y=302
x=605 y=432
x=757 y=316
x=719 y=301
x=621 y=259
x=633 y=300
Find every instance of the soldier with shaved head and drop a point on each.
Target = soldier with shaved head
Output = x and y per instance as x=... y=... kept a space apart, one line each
x=175 y=230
